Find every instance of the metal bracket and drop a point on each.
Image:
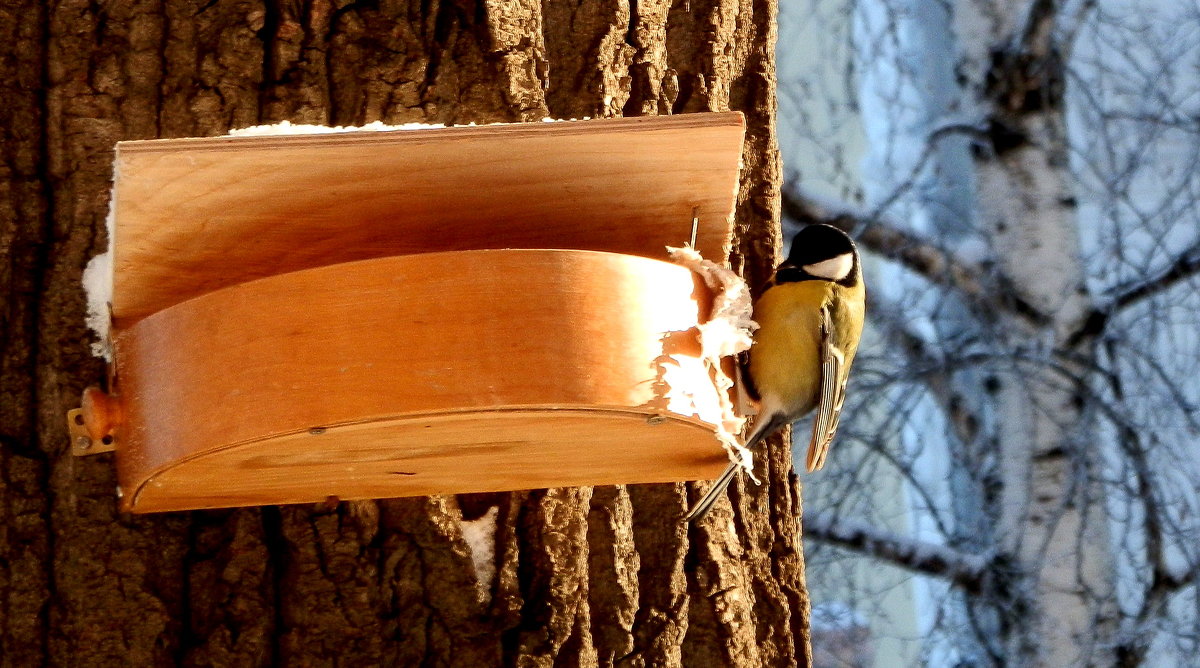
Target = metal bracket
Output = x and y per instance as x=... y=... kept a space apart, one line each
x=91 y=426
x=81 y=442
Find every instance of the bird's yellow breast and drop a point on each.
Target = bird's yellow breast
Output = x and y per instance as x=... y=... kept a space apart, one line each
x=785 y=359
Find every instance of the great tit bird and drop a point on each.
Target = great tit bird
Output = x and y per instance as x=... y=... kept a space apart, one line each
x=810 y=318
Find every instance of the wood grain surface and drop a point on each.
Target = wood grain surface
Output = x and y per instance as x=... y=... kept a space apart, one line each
x=196 y=215
x=433 y=373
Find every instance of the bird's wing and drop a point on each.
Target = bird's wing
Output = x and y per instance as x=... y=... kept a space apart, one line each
x=833 y=395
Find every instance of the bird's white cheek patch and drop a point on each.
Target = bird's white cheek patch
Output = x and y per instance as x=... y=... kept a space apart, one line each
x=833 y=269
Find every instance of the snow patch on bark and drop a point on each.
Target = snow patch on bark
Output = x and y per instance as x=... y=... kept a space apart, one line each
x=98 y=288
x=480 y=536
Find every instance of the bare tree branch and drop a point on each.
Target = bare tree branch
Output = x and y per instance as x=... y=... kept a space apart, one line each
x=980 y=288
x=1165 y=580
x=967 y=571
x=939 y=133
x=1036 y=31
x=1185 y=266
x=887 y=241
x=1046 y=418
x=1070 y=20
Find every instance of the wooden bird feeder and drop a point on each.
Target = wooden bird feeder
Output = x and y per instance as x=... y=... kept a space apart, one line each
x=411 y=312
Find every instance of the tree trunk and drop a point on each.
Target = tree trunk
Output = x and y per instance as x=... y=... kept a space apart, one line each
x=969 y=143
x=582 y=576
x=1052 y=516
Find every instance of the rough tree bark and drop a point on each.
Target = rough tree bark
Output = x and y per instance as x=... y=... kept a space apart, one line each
x=584 y=576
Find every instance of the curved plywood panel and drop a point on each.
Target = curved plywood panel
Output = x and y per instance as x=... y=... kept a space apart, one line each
x=256 y=206
x=437 y=373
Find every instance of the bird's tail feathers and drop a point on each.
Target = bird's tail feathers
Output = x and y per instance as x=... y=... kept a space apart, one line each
x=765 y=428
x=710 y=497
x=761 y=430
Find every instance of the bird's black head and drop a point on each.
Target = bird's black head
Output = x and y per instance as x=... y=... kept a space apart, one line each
x=820 y=252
